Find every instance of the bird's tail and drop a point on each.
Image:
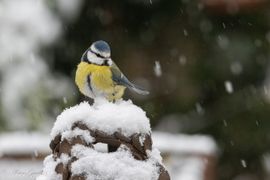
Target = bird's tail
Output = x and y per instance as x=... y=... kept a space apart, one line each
x=139 y=90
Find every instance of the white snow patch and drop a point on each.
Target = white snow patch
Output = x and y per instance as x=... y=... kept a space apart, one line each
x=26 y=26
x=187 y=156
x=228 y=86
x=181 y=144
x=78 y=132
x=243 y=163
x=105 y=116
x=24 y=143
x=154 y=155
x=64 y=158
x=49 y=169
x=19 y=169
x=141 y=139
x=189 y=168
x=42 y=177
x=157 y=69
x=120 y=165
x=23 y=96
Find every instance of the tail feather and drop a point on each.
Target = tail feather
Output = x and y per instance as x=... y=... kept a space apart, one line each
x=139 y=90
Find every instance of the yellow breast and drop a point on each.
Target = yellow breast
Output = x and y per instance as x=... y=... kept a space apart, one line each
x=101 y=79
x=100 y=76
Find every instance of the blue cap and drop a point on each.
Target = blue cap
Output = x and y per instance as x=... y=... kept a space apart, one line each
x=101 y=47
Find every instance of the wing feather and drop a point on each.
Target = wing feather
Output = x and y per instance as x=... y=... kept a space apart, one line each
x=120 y=79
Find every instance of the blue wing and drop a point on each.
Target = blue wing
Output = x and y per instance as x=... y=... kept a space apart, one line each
x=120 y=79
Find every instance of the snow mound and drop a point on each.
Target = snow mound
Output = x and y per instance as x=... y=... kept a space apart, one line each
x=119 y=165
x=105 y=116
x=122 y=126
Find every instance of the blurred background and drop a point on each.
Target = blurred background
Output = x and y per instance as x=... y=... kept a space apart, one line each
x=205 y=62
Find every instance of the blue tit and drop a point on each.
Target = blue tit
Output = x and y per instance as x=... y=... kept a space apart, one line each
x=98 y=76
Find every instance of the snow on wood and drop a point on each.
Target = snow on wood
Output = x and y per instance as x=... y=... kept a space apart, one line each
x=118 y=165
x=106 y=116
x=122 y=126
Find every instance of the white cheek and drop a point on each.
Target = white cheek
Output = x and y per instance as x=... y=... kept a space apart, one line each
x=93 y=58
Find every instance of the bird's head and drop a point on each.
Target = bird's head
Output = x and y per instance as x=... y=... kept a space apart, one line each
x=98 y=53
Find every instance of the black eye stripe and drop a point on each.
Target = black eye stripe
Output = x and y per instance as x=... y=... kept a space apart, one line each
x=97 y=54
x=85 y=59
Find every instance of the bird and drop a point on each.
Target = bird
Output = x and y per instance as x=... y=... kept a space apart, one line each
x=97 y=75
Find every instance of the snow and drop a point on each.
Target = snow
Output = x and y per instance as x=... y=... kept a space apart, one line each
x=224 y=25
x=78 y=132
x=64 y=158
x=24 y=143
x=31 y=79
x=154 y=155
x=141 y=139
x=228 y=86
x=25 y=75
x=48 y=172
x=186 y=155
x=120 y=165
x=28 y=23
x=183 y=155
x=243 y=163
x=265 y=158
x=181 y=144
x=14 y=143
x=188 y=168
x=19 y=169
x=105 y=116
x=157 y=69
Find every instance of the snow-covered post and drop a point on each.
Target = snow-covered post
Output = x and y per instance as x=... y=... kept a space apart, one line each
x=122 y=126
